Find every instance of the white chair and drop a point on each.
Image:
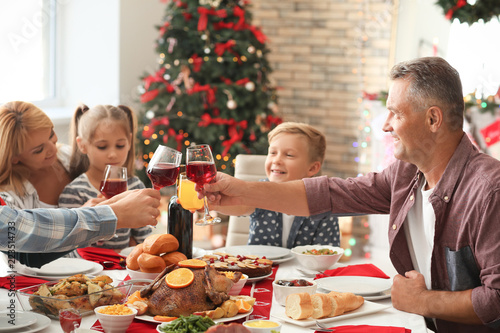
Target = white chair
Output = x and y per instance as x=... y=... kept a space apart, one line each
x=246 y=167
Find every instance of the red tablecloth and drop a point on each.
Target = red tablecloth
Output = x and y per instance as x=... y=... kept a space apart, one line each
x=368 y=328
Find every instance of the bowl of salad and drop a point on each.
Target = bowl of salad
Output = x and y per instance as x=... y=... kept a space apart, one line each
x=317 y=257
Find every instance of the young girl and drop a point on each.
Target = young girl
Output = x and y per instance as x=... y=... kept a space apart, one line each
x=102 y=135
x=296 y=151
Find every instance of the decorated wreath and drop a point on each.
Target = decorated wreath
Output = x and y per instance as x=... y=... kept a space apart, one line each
x=470 y=11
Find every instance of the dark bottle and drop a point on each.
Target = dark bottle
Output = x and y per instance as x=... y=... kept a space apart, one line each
x=180 y=225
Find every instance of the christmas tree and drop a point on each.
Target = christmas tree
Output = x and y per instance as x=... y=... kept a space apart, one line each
x=211 y=85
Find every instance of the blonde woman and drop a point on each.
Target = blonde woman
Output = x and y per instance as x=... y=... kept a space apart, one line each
x=34 y=169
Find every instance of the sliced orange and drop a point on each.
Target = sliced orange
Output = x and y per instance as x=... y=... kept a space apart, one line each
x=136 y=296
x=243 y=306
x=164 y=319
x=192 y=263
x=179 y=278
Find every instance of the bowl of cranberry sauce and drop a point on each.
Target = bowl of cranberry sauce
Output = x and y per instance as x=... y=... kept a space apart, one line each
x=283 y=288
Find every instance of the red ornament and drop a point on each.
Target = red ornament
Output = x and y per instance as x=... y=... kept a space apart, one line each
x=491 y=133
x=149 y=95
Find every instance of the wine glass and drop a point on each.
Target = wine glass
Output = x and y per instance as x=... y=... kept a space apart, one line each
x=114 y=181
x=163 y=168
x=188 y=197
x=200 y=168
x=70 y=319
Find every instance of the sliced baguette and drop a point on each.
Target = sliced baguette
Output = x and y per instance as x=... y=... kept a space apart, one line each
x=344 y=302
x=322 y=305
x=299 y=306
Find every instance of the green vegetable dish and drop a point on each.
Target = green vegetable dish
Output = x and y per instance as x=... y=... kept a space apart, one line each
x=320 y=252
x=191 y=324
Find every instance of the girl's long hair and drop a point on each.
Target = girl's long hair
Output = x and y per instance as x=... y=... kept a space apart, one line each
x=84 y=125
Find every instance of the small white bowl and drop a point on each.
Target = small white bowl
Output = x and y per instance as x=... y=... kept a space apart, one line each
x=262 y=329
x=138 y=275
x=114 y=323
x=235 y=290
x=138 y=284
x=282 y=292
x=318 y=262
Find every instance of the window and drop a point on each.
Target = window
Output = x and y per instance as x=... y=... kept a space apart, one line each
x=27 y=59
x=473 y=51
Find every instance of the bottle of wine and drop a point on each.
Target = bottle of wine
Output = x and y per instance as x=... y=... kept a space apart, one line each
x=180 y=225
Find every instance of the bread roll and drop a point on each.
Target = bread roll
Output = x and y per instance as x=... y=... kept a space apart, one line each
x=299 y=306
x=322 y=305
x=173 y=257
x=150 y=263
x=160 y=243
x=132 y=257
x=344 y=302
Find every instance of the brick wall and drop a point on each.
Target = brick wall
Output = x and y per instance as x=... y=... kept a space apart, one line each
x=324 y=54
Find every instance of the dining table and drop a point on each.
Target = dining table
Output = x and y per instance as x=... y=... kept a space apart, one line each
x=290 y=269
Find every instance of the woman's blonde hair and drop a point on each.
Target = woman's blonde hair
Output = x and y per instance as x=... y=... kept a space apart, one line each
x=316 y=140
x=84 y=125
x=17 y=120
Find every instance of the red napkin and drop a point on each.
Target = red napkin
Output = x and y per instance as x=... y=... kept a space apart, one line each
x=106 y=257
x=368 y=328
x=354 y=270
x=137 y=326
x=19 y=282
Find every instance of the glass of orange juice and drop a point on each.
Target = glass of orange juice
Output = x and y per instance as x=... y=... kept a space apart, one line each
x=187 y=195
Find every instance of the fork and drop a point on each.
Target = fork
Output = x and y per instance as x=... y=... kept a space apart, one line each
x=322 y=327
x=307 y=273
x=318 y=329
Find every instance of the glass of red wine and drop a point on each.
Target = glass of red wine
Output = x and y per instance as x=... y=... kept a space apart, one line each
x=70 y=319
x=163 y=168
x=200 y=169
x=114 y=181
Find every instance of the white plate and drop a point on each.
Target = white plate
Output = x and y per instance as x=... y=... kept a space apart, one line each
x=238 y=316
x=126 y=251
x=258 y=278
x=96 y=269
x=21 y=319
x=270 y=252
x=62 y=266
x=366 y=308
x=41 y=323
x=377 y=297
x=359 y=285
x=284 y=259
x=221 y=320
x=197 y=252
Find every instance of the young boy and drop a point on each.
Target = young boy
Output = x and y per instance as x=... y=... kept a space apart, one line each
x=296 y=151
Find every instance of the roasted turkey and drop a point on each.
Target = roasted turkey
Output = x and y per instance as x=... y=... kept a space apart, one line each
x=208 y=290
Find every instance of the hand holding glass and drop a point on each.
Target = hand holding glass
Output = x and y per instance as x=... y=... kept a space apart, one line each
x=200 y=168
x=163 y=168
x=114 y=181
